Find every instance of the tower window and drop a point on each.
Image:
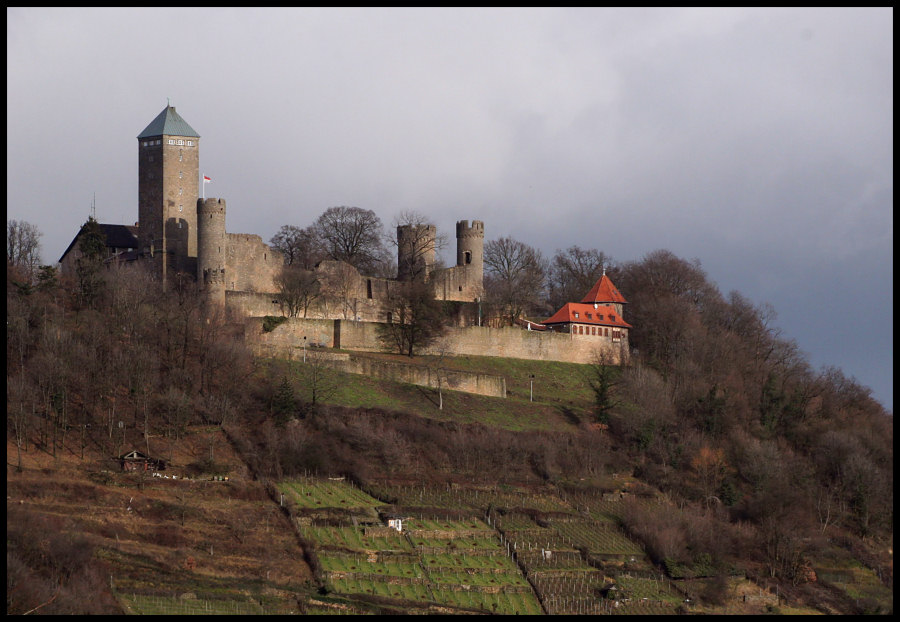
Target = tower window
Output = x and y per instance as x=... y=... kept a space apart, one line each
x=369 y=288
x=171 y=141
x=190 y=143
x=180 y=207
x=468 y=257
x=180 y=174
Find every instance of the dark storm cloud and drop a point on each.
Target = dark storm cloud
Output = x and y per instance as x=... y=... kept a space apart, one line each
x=757 y=140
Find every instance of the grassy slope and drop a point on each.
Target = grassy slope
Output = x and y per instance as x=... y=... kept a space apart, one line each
x=559 y=396
x=234 y=543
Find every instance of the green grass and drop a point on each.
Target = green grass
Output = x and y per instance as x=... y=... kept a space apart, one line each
x=139 y=604
x=318 y=493
x=561 y=395
x=417 y=496
x=354 y=539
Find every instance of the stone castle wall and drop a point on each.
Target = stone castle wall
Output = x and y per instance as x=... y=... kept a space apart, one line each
x=506 y=342
x=287 y=341
x=460 y=283
x=251 y=265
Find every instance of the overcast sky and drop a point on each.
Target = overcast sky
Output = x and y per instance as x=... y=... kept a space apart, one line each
x=759 y=141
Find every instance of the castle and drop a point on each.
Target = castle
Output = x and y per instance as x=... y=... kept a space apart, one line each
x=181 y=233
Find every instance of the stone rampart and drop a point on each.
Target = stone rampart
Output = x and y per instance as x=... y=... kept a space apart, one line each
x=287 y=341
x=426 y=376
x=509 y=342
x=513 y=342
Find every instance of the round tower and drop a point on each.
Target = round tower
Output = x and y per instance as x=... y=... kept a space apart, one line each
x=211 y=249
x=415 y=251
x=470 y=252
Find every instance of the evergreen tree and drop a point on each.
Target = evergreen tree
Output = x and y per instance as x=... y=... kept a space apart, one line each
x=92 y=246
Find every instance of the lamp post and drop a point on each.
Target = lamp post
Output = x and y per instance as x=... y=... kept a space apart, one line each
x=304 y=348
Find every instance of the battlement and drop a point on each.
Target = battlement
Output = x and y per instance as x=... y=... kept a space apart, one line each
x=214 y=276
x=210 y=206
x=464 y=230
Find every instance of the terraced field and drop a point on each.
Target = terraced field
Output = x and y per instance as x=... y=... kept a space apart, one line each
x=455 y=564
x=495 y=550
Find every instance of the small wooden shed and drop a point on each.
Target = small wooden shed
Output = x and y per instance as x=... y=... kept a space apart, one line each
x=137 y=461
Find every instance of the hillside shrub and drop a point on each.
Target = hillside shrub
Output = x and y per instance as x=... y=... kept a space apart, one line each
x=271 y=322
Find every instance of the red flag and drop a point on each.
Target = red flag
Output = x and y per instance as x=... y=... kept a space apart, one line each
x=206 y=179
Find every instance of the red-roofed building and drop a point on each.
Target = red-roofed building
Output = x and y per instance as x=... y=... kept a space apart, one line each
x=598 y=316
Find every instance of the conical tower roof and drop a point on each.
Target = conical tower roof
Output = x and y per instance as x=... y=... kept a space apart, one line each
x=604 y=291
x=169 y=123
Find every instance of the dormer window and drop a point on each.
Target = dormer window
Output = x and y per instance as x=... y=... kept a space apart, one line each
x=576 y=315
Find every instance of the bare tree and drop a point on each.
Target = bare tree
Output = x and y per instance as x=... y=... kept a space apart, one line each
x=340 y=281
x=436 y=367
x=516 y=275
x=298 y=288
x=354 y=235
x=23 y=248
x=417 y=245
x=301 y=247
x=318 y=379
x=572 y=274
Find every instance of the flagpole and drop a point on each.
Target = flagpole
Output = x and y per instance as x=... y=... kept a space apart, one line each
x=203 y=183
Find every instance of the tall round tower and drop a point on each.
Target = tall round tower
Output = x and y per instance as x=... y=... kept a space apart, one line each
x=470 y=252
x=211 y=249
x=415 y=251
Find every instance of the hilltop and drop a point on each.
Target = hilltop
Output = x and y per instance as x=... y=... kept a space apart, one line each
x=714 y=473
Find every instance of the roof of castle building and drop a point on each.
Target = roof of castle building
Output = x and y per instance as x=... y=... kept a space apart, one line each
x=604 y=291
x=581 y=313
x=169 y=123
x=117 y=237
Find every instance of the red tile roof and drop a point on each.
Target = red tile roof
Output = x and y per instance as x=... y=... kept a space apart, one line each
x=581 y=313
x=604 y=291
